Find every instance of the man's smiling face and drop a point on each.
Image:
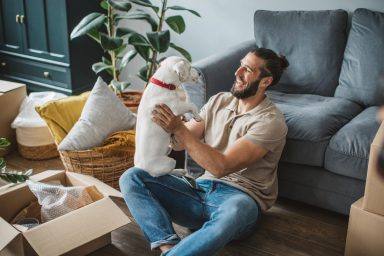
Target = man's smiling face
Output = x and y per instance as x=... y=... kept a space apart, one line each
x=248 y=76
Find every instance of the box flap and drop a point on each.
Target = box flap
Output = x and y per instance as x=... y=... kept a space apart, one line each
x=7 y=233
x=76 y=228
x=6 y=86
x=379 y=138
x=86 y=180
x=358 y=203
x=46 y=174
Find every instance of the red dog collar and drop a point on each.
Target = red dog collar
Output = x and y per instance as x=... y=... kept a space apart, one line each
x=162 y=84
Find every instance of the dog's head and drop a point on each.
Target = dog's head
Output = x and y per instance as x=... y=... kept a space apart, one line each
x=177 y=69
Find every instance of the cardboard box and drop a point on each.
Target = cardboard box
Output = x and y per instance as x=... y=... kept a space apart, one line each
x=76 y=233
x=374 y=186
x=365 y=232
x=11 y=96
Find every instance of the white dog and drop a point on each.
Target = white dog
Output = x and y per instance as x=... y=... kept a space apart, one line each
x=152 y=142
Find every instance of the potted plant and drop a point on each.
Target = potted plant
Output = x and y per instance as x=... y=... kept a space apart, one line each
x=4 y=146
x=104 y=29
x=158 y=40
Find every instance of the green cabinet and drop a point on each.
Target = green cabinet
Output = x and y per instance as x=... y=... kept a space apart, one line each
x=35 y=46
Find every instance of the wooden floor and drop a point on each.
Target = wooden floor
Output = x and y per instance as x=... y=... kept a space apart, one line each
x=288 y=228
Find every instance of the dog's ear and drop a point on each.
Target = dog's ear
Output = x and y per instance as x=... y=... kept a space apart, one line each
x=182 y=70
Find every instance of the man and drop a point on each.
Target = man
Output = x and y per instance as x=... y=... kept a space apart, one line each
x=239 y=143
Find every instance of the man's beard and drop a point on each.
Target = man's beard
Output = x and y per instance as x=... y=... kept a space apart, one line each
x=248 y=91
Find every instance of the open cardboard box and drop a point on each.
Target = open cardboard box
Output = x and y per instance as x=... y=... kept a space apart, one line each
x=365 y=232
x=76 y=233
x=11 y=96
x=374 y=185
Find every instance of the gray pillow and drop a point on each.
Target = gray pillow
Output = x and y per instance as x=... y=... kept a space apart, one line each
x=102 y=115
x=363 y=59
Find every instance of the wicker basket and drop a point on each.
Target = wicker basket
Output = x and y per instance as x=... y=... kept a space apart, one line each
x=38 y=152
x=104 y=163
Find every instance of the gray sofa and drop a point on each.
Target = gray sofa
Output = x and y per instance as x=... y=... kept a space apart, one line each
x=329 y=96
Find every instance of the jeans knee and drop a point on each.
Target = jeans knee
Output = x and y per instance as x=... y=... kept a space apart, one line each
x=241 y=209
x=129 y=177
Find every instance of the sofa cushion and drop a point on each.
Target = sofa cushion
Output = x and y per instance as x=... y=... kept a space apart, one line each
x=60 y=115
x=363 y=59
x=312 y=41
x=348 y=151
x=312 y=120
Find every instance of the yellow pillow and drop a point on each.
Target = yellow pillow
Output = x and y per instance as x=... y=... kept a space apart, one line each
x=60 y=115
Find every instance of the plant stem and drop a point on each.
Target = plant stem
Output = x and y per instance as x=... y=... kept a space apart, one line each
x=152 y=66
x=111 y=33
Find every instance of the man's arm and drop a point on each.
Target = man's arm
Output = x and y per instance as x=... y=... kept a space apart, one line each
x=197 y=130
x=237 y=157
x=240 y=155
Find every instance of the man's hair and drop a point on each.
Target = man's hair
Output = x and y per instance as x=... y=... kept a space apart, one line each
x=274 y=64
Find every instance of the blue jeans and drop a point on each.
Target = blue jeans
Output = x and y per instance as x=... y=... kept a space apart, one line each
x=216 y=211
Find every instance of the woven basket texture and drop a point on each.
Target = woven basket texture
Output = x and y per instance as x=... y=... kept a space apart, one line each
x=106 y=163
x=38 y=152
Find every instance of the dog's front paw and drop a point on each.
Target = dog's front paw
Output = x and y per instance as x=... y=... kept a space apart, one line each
x=197 y=118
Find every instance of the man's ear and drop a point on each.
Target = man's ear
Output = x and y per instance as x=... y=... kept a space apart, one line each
x=266 y=82
x=181 y=70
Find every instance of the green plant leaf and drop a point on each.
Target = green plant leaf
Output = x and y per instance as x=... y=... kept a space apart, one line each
x=159 y=40
x=142 y=74
x=176 y=23
x=14 y=176
x=128 y=56
x=121 y=5
x=110 y=43
x=2 y=163
x=179 y=8
x=124 y=31
x=100 y=66
x=95 y=35
x=141 y=44
x=119 y=86
x=4 y=142
x=141 y=15
x=106 y=61
x=182 y=51
x=90 y=22
x=120 y=50
x=104 y=4
x=146 y=3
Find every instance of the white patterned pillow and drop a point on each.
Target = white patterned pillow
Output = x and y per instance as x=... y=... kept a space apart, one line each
x=102 y=115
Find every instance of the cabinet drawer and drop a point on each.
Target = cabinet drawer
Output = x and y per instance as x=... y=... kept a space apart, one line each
x=35 y=72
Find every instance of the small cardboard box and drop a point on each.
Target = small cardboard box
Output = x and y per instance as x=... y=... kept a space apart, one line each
x=365 y=232
x=11 y=96
x=76 y=233
x=374 y=186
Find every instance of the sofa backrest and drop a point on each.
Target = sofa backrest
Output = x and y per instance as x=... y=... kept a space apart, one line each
x=312 y=41
x=363 y=63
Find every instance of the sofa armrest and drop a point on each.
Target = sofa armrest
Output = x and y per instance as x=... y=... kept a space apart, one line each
x=218 y=70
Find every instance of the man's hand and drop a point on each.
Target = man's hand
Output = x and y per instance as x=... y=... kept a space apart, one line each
x=164 y=117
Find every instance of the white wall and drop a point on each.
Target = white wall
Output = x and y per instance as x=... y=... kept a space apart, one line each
x=225 y=23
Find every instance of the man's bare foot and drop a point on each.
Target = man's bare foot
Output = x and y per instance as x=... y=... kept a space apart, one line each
x=166 y=247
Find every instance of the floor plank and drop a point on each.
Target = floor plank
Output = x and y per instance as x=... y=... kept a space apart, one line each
x=288 y=228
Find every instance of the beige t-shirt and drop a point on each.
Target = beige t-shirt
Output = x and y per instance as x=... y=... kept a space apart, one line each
x=264 y=125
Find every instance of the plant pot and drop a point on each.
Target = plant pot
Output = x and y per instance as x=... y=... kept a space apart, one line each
x=131 y=99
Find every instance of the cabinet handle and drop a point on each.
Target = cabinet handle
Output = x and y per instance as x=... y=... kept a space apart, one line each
x=22 y=17
x=46 y=74
x=17 y=18
x=3 y=64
